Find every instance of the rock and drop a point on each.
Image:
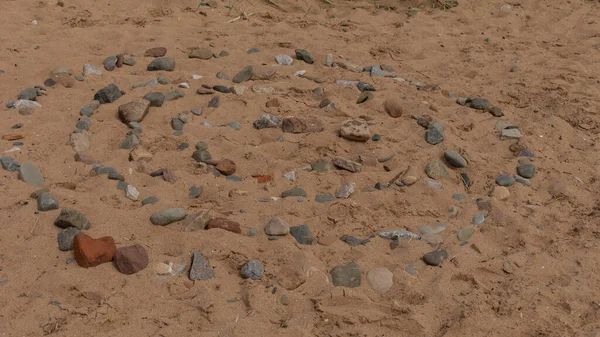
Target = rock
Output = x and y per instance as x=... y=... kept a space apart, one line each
x=156 y=52
x=201 y=156
x=132 y=193
x=200 y=269
x=277 y=226
x=176 y=124
x=79 y=142
x=201 y=53
x=65 y=238
x=411 y=176
x=195 y=192
x=478 y=219
x=505 y=180
x=435 y=258
x=93 y=252
x=197 y=221
x=88 y=109
x=436 y=169
x=393 y=107
x=434 y=134
x=131 y=259
x=291 y=278
x=364 y=96
x=29 y=94
x=522 y=180
x=455 y=159
x=110 y=63
x=329 y=60
x=156 y=99
x=355 y=130
x=381 y=279
x=130 y=142
x=69 y=217
x=149 y=201
x=303 y=55
x=9 y=164
x=23 y=104
x=253 y=269
x=89 y=69
x=496 y=112
x=284 y=60
x=238 y=89
x=350 y=66
x=347 y=275
x=267 y=121
x=324 y=198
x=108 y=94
x=480 y=104
x=222 y=89
x=295 y=192
x=526 y=171
x=263 y=89
x=507 y=267
x=173 y=95
x=31 y=175
x=302 y=125
x=464 y=234
x=244 y=75
x=302 y=234
x=46 y=202
x=167 y=216
x=500 y=193
x=352 y=241
x=134 y=111
x=376 y=71
x=162 y=63
x=264 y=74
x=35 y=194
x=226 y=167
x=345 y=191
x=163 y=268
x=348 y=165
x=214 y=102
x=511 y=133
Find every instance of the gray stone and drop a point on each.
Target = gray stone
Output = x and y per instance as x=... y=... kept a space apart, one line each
x=69 y=217
x=244 y=75
x=526 y=171
x=121 y=185
x=201 y=145
x=352 y=241
x=348 y=165
x=110 y=63
x=496 y=112
x=523 y=181
x=29 y=94
x=201 y=156
x=83 y=124
x=455 y=159
x=195 y=191
x=162 y=63
x=196 y=111
x=130 y=142
x=149 y=201
x=329 y=60
x=267 y=121
x=505 y=180
x=173 y=95
x=303 y=55
x=464 y=234
x=9 y=164
x=302 y=234
x=234 y=125
x=346 y=275
x=324 y=198
x=345 y=191
x=108 y=94
x=79 y=142
x=376 y=71
x=167 y=216
x=253 y=269
x=197 y=221
x=214 y=102
x=295 y=192
x=89 y=109
x=284 y=60
x=221 y=75
x=176 y=124
x=134 y=111
x=222 y=89
x=480 y=104
x=155 y=98
x=129 y=61
x=200 y=269
x=435 y=258
x=277 y=226
x=30 y=174
x=478 y=219
x=364 y=86
x=90 y=69
x=253 y=50
x=24 y=103
x=380 y=279
x=432 y=183
x=510 y=133
x=434 y=134
x=65 y=238
x=132 y=193
x=436 y=169
x=46 y=202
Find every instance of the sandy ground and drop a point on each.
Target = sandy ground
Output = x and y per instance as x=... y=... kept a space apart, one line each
x=548 y=231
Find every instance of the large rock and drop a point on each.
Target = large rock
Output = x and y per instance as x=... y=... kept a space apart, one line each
x=244 y=75
x=30 y=174
x=134 y=111
x=69 y=217
x=108 y=94
x=302 y=125
x=356 y=130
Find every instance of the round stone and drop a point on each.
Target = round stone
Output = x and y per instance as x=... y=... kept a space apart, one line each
x=380 y=279
x=500 y=193
x=505 y=180
x=455 y=159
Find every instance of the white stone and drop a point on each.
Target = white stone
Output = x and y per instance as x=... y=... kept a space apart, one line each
x=380 y=279
x=291 y=176
x=196 y=77
x=132 y=193
x=24 y=103
x=284 y=60
x=184 y=85
x=89 y=69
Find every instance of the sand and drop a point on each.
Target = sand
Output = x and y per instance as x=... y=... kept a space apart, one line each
x=532 y=268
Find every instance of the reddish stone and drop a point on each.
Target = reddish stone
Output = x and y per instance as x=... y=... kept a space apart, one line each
x=393 y=107
x=302 y=125
x=129 y=260
x=120 y=60
x=263 y=179
x=84 y=158
x=91 y=252
x=225 y=224
x=226 y=167
x=65 y=80
x=272 y=103
x=156 y=52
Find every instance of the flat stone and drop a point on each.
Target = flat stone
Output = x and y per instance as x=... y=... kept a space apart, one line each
x=411 y=176
x=30 y=174
x=197 y=221
x=201 y=53
x=432 y=183
x=108 y=94
x=29 y=94
x=226 y=167
x=200 y=269
x=156 y=99
x=480 y=104
x=505 y=180
x=345 y=191
x=295 y=192
x=512 y=133
x=173 y=95
x=324 y=198
x=302 y=234
x=162 y=63
x=267 y=121
x=355 y=130
x=46 y=202
x=253 y=270
x=364 y=96
x=353 y=241
x=244 y=75
x=464 y=234
x=222 y=223
x=167 y=216
x=201 y=156
x=149 y=201
x=110 y=63
x=156 y=52
x=303 y=55
x=79 y=142
x=436 y=169
x=347 y=275
x=90 y=69
x=132 y=193
x=10 y=164
x=350 y=66
x=435 y=258
x=195 y=192
x=496 y=112
x=500 y=193
x=302 y=125
x=284 y=60
x=523 y=181
x=380 y=279
x=277 y=226
x=526 y=171
x=69 y=217
x=65 y=238
x=478 y=219
x=348 y=165
x=455 y=159
x=434 y=134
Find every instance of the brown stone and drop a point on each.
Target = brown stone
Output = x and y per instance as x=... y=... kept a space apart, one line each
x=272 y=103
x=91 y=252
x=263 y=179
x=26 y=111
x=328 y=240
x=264 y=74
x=226 y=167
x=225 y=224
x=355 y=129
x=197 y=221
x=156 y=52
x=84 y=158
x=134 y=111
x=169 y=176
x=120 y=60
x=393 y=107
x=368 y=160
x=65 y=80
x=13 y=137
x=302 y=125
x=201 y=53
x=129 y=260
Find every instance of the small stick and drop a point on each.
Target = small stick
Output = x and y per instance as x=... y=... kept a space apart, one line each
x=396 y=177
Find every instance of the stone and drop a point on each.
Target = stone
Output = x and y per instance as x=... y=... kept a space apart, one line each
x=263 y=89
x=455 y=159
x=156 y=99
x=244 y=75
x=295 y=192
x=167 y=216
x=322 y=166
x=162 y=63
x=345 y=191
x=353 y=241
x=523 y=181
x=480 y=104
x=347 y=275
x=108 y=94
x=348 y=165
x=149 y=201
x=65 y=238
x=110 y=63
x=284 y=60
x=355 y=130
x=393 y=107
x=173 y=95
x=478 y=219
x=264 y=74
x=131 y=259
x=214 y=102
x=350 y=66
x=79 y=142
x=277 y=226
x=132 y=193
x=302 y=234
x=376 y=71
x=496 y=112
x=364 y=96
x=29 y=94
x=91 y=252
x=134 y=111
x=432 y=183
x=267 y=121
x=197 y=221
x=90 y=69
x=302 y=125
x=253 y=270
x=505 y=180
x=46 y=202
x=511 y=133
x=226 y=167
x=291 y=278
x=434 y=134
x=380 y=279
x=329 y=60
x=30 y=174
x=156 y=52
x=411 y=176
x=436 y=169
x=435 y=258
x=526 y=171
x=176 y=124
x=508 y=267
x=24 y=104
x=201 y=156
x=69 y=217
x=201 y=53
x=303 y=55
x=9 y=164
x=89 y=109
x=195 y=192
x=464 y=234
x=130 y=142
x=163 y=269
x=324 y=198
x=200 y=269
x=222 y=89
x=500 y=193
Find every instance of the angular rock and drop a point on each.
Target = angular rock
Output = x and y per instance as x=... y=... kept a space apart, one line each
x=69 y=217
x=295 y=192
x=224 y=224
x=303 y=55
x=435 y=258
x=284 y=60
x=253 y=270
x=267 y=121
x=244 y=75
x=200 y=53
x=197 y=221
x=31 y=175
x=90 y=69
x=347 y=275
x=348 y=165
x=132 y=193
x=10 y=164
x=110 y=63
x=134 y=111
x=355 y=130
x=226 y=167
x=108 y=94
x=526 y=171
x=167 y=216
x=302 y=234
x=214 y=102
x=277 y=226
x=162 y=63
x=200 y=269
x=345 y=191
x=65 y=238
x=29 y=94
x=302 y=125
x=93 y=252
x=46 y=202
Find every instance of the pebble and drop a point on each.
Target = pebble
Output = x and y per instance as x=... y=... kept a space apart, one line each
x=510 y=133
x=89 y=69
x=376 y=71
x=303 y=55
x=291 y=176
x=347 y=275
x=434 y=134
x=500 y=193
x=156 y=52
x=108 y=94
x=9 y=164
x=284 y=60
x=435 y=258
x=110 y=63
x=121 y=185
x=29 y=94
x=173 y=95
x=436 y=169
x=295 y=192
x=222 y=223
x=176 y=124
x=480 y=104
x=410 y=269
x=364 y=86
x=364 y=96
x=478 y=219
x=195 y=191
x=131 y=141
x=214 y=102
x=244 y=75
x=89 y=109
x=345 y=191
x=46 y=202
x=329 y=60
x=505 y=180
x=163 y=269
x=523 y=181
x=324 y=198
x=196 y=111
x=30 y=174
x=131 y=259
x=411 y=176
x=201 y=53
x=79 y=142
x=277 y=226
x=526 y=171
x=132 y=193
x=149 y=201
x=167 y=216
x=350 y=66
x=69 y=217
x=197 y=221
x=267 y=121
x=159 y=80
x=355 y=130
x=65 y=238
x=200 y=269
x=496 y=112
x=432 y=183
x=201 y=156
x=353 y=241
x=381 y=279
x=393 y=107
x=455 y=159
x=156 y=99
x=253 y=269
x=514 y=69
x=507 y=267
x=464 y=234
x=302 y=125
x=162 y=63
x=302 y=234
x=89 y=252
x=346 y=83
